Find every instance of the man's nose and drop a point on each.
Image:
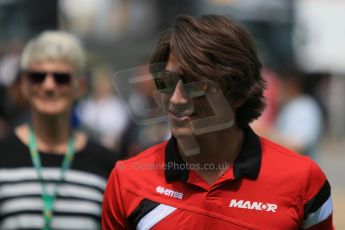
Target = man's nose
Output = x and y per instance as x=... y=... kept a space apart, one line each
x=180 y=96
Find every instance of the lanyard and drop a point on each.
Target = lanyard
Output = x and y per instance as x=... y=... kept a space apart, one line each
x=48 y=199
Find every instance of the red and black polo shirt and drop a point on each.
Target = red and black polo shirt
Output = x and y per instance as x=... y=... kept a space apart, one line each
x=267 y=187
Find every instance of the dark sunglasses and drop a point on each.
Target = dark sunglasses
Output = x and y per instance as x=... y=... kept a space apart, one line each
x=60 y=78
x=166 y=82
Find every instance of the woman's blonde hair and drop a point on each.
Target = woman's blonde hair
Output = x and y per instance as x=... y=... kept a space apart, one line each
x=54 y=46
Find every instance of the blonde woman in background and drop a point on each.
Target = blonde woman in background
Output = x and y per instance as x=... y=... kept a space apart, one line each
x=51 y=175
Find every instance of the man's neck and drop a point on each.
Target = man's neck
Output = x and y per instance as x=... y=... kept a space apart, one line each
x=219 y=148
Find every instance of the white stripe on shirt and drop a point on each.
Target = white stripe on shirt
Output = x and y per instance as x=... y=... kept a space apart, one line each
x=35 y=204
x=319 y=215
x=58 y=222
x=51 y=173
x=156 y=215
x=34 y=188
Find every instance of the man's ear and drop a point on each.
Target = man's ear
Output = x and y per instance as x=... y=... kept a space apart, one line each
x=238 y=102
x=235 y=103
x=80 y=88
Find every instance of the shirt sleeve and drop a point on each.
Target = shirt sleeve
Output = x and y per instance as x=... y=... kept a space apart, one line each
x=113 y=214
x=318 y=207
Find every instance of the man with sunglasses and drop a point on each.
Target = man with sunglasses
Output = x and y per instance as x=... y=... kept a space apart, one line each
x=214 y=172
x=51 y=175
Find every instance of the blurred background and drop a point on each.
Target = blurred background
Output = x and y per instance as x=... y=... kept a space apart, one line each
x=301 y=44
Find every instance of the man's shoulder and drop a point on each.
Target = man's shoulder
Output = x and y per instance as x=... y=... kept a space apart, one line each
x=152 y=154
x=147 y=165
x=273 y=149
x=287 y=161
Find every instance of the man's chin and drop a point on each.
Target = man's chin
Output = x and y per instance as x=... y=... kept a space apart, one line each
x=181 y=132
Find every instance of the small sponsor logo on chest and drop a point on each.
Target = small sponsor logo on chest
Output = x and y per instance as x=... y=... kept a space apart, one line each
x=168 y=192
x=255 y=205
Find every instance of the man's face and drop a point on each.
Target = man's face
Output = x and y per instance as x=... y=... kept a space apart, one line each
x=181 y=108
x=194 y=105
x=50 y=87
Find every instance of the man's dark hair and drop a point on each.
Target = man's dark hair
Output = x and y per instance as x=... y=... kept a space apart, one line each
x=214 y=47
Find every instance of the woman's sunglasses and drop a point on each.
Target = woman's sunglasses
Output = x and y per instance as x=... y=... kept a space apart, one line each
x=60 y=78
x=166 y=82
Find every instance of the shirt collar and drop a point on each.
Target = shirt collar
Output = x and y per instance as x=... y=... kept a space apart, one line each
x=247 y=164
